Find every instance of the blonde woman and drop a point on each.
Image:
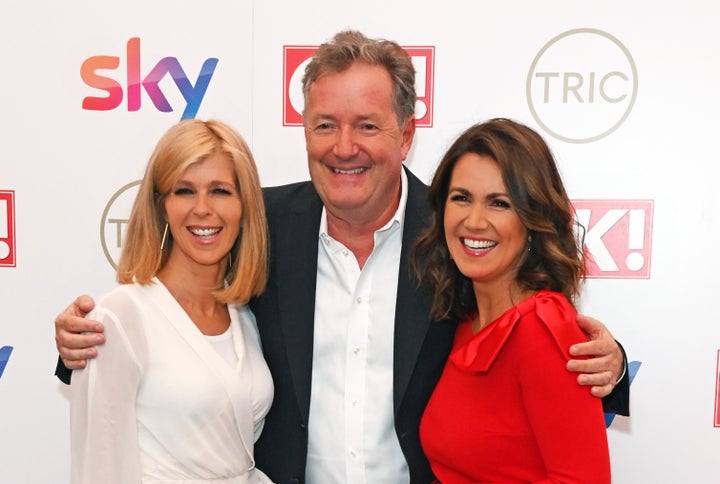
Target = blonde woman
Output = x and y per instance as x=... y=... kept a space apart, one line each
x=180 y=390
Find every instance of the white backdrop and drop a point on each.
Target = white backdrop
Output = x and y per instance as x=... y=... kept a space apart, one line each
x=625 y=93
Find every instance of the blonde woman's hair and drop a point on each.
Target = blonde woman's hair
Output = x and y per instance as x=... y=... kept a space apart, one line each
x=185 y=144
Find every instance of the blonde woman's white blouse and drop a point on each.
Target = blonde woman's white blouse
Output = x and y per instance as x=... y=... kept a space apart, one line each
x=159 y=404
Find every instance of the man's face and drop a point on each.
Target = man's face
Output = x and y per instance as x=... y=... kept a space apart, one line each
x=354 y=143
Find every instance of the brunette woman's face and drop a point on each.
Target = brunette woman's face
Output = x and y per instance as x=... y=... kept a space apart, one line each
x=484 y=233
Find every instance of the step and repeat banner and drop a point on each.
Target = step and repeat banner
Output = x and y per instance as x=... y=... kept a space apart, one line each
x=625 y=93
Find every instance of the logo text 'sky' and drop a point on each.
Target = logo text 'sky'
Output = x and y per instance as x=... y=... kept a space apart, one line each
x=192 y=93
x=5 y=352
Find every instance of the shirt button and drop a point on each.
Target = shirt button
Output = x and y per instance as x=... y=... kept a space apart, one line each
x=359 y=300
x=354 y=403
x=345 y=253
x=356 y=350
x=353 y=453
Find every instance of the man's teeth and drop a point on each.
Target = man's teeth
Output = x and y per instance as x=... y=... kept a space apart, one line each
x=354 y=171
x=204 y=232
x=479 y=244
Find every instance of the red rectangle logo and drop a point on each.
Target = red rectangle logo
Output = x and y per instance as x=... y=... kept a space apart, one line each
x=716 y=420
x=618 y=237
x=295 y=58
x=7 y=228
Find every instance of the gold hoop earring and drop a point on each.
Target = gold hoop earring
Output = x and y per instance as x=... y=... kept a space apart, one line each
x=162 y=243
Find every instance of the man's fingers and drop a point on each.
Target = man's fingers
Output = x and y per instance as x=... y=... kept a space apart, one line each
x=591 y=326
x=602 y=391
x=84 y=303
x=67 y=341
x=600 y=347
x=74 y=364
x=591 y=365
x=82 y=325
x=601 y=384
x=75 y=359
x=76 y=324
x=596 y=379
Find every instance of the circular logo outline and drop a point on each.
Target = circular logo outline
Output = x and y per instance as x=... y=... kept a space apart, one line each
x=549 y=44
x=103 y=219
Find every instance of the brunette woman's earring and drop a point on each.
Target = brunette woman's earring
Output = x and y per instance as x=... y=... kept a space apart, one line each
x=162 y=244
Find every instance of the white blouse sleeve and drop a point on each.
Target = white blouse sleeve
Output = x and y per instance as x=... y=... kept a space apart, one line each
x=103 y=427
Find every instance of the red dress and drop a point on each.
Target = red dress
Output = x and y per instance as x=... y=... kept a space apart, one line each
x=507 y=410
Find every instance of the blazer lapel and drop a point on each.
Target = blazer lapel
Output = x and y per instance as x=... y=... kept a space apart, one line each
x=294 y=250
x=411 y=311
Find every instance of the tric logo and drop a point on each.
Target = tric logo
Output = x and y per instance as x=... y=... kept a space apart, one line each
x=4 y=357
x=114 y=221
x=192 y=93
x=582 y=85
x=633 y=368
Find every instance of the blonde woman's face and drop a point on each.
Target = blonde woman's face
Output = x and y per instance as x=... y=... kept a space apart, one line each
x=203 y=212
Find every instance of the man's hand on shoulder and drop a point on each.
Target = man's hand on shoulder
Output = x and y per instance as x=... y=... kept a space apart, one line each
x=76 y=336
x=605 y=364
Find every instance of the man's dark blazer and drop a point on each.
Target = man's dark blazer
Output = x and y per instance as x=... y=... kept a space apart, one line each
x=285 y=315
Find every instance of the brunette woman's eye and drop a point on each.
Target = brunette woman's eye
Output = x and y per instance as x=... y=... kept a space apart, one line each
x=501 y=203
x=457 y=197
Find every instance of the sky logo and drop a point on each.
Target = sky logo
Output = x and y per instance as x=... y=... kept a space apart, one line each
x=633 y=368
x=4 y=357
x=192 y=93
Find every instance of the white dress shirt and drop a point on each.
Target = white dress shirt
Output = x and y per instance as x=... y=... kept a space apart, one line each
x=351 y=430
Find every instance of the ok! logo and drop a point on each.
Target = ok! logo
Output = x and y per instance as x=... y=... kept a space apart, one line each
x=192 y=93
x=296 y=58
x=618 y=237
